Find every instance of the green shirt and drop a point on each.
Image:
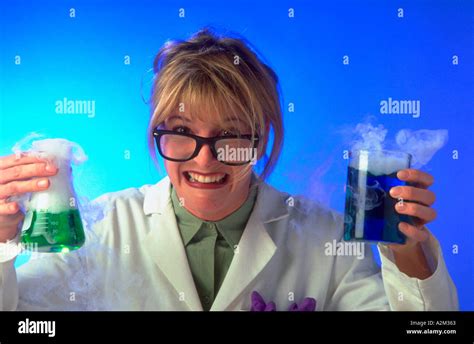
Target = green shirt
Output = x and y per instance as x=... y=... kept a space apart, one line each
x=210 y=245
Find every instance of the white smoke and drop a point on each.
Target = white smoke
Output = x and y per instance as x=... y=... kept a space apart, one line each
x=370 y=137
x=61 y=153
x=373 y=196
x=422 y=144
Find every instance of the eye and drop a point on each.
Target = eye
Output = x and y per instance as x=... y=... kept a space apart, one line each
x=230 y=132
x=181 y=129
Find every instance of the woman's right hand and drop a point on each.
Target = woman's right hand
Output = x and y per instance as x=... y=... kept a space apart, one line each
x=19 y=174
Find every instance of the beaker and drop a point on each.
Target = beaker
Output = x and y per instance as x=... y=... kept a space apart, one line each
x=370 y=213
x=52 y=221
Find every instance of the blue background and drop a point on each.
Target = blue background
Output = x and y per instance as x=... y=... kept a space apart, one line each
x=407 y=58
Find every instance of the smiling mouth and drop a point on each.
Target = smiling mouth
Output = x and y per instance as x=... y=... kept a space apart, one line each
x=212 y=179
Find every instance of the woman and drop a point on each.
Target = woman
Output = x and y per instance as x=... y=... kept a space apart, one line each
x=213 y=235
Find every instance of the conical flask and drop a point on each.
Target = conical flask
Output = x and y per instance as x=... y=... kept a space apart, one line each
x=52 y=221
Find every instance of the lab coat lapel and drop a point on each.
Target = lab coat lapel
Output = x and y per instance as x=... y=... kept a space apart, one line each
x=165 y=246
x=255 y=249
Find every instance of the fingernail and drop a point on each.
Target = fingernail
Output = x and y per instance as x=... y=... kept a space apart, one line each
x=402 y=174
x=400 y=205
x=50 y=168
x=395 y=192
x=43 y=183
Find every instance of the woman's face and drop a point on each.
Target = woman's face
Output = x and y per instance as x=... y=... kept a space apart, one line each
x=198 y=182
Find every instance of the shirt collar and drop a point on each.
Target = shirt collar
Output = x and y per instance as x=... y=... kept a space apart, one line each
x=230 y=227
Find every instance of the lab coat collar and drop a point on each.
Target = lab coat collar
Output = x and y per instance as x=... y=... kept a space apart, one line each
x=254 y=251
x=157 y=197
x=163 y=243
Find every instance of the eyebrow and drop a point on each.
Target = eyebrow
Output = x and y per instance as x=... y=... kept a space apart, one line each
x=176 y=117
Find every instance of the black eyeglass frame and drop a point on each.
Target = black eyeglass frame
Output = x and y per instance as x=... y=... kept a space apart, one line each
x=201 y=141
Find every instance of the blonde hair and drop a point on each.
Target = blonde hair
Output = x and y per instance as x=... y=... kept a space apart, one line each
x=209 y=74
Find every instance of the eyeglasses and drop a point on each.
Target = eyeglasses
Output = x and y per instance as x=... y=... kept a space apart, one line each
x=230 y=150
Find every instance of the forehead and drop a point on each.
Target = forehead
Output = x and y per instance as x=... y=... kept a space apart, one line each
x=205 y=116
x=205 y=105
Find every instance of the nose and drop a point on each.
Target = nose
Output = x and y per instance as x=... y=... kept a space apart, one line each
x=205 y=158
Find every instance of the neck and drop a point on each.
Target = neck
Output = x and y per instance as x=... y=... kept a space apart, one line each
x=221 y=214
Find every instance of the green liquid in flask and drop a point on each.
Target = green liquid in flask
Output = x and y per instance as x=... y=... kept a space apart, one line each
x=54 y=232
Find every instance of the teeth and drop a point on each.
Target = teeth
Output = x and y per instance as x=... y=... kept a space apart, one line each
x=205 y=179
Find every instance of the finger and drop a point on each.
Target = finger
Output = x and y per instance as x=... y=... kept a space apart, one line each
x=411 y=193
x=21 y=172
x=422 y=212
x=18 y=159
x=20 y=187
x=9 y=208
x=416 y=234
x=270 y=307
x=417 y=177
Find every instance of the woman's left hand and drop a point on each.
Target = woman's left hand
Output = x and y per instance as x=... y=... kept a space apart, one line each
x=411 y=253
x=421 y=211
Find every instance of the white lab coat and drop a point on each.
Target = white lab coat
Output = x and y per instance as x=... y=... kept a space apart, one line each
x=134 y=259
